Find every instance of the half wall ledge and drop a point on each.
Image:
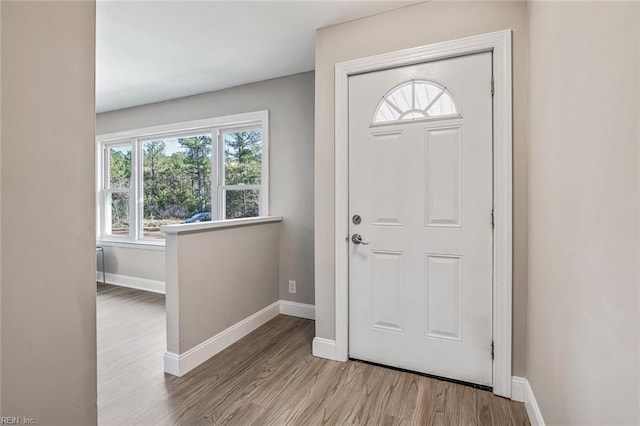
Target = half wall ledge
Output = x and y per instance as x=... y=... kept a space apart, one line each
x=184 y=228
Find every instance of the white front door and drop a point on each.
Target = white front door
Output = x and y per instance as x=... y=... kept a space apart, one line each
x=420 y=198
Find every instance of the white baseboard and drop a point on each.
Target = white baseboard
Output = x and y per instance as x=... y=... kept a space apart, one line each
x=517 y=388
x=181 y=364
x=530 y=403
x=133 y=282
x=295 y=309
x=172 y=363
x=324 y=348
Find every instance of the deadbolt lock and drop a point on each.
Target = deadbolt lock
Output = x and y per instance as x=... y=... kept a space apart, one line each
x=356 y=219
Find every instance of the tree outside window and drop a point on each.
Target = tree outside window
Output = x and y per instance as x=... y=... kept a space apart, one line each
x=242 y=172
x=176 y=181
x=175 y=175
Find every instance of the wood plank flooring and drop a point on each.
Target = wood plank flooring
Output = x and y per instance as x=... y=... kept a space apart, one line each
x=267 y=378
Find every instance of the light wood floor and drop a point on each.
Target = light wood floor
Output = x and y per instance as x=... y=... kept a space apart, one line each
x=267 y=378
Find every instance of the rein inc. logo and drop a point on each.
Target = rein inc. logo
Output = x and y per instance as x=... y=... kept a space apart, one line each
x=17 y=421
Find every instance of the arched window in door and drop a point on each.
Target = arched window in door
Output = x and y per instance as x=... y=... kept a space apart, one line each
x=415 y=100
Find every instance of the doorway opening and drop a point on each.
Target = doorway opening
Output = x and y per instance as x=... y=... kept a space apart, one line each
x=499 y=44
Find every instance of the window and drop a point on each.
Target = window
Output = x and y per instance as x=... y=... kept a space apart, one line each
x=242 y=176
x=118 y=190
x=184 y=173
x=176 y=181
x=415 y=100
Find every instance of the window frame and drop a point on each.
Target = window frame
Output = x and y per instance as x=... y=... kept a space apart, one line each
x=222 y=187
x=136 y=138
x=106 y=189
x=444 y=91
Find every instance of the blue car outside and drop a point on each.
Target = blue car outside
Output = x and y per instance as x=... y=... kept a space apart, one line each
x=199 y=217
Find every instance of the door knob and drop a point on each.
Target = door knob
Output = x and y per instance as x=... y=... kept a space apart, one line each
x=357 y=239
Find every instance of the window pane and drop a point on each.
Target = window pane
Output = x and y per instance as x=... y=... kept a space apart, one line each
x=443 y=106
x=120 y=166
x=176 y=182
x=386 y=113
x=118 y=204
x=242 y=203
x=413 y=101
x=243 y=157
x=402 y=97
x=413 y=115
x=424 y=94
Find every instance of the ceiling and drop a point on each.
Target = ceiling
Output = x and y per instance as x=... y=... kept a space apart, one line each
x=151 y=51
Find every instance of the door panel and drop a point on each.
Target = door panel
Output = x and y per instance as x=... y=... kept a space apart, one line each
x=443 y=171
x=387 y=290
x=444 y=296
x=387 y=179
x=420 y=289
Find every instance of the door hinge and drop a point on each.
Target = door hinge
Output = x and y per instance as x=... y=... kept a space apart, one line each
x=493 y=351
x=493 y=88
x=493 y=218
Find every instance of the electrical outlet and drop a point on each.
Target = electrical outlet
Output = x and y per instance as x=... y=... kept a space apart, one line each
x=292 y=286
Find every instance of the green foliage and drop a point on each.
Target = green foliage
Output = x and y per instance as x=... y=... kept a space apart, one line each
x=197 y=164
x=120 y=177
x=177 y=185
x=243 y=158
x=120 y=161
x=243 y=165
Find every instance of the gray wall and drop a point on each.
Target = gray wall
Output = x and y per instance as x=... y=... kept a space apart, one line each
x=48 y=209
x=140 y=261
x=583 y=326
x=218 y=277
x=290 y=101
x=413 y=26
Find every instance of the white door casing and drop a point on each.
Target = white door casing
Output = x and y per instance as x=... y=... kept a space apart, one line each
x=500 y=44
x=420 y=292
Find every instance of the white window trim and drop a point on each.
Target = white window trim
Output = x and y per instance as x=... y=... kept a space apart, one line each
x=135 y=137
x=138 y=245
x=103 y=176
x=218 y=206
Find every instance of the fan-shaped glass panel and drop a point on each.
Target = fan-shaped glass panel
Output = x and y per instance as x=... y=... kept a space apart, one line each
x=415 y=100
x=386 y=113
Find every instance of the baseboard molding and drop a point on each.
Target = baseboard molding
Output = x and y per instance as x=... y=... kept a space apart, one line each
x=133 y=282
x=531 y=405
x=517 y=388
x=324 y=348
x=172 y=363
x=295 y=309
x=181 y=364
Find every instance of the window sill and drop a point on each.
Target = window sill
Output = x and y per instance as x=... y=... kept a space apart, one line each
x=185 y=228
x=139 y=245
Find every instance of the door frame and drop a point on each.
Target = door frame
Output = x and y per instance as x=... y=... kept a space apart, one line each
x=500 y=44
